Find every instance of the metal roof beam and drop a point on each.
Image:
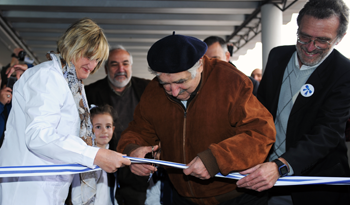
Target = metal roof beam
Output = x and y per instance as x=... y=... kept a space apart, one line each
x=7 y=30
x=284 y=3
x=117 y=16
x=255 y=30
x=111 y=27
x=140 y=6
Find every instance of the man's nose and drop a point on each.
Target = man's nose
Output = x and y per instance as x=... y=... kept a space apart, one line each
x=121 y=68
x=175 y=90
x=311 y=46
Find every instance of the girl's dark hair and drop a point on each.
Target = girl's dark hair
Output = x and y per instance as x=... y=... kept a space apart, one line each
x=104 y=109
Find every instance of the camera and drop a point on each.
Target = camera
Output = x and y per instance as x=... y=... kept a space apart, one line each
x=21 y=55
x=11 y=81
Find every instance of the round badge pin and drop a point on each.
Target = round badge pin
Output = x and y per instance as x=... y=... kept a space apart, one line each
x=307 y=90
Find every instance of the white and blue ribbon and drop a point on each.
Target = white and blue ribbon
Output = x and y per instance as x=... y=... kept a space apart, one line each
x=297 y=180
x=45 y=170
x=284 y=181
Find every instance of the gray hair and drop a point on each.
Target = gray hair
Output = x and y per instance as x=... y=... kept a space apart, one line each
x=192 y=70
x=120 y=47
x=323 y=9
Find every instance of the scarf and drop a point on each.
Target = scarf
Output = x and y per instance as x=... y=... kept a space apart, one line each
x=88 y=180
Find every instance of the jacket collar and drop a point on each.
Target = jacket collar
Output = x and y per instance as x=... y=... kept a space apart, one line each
x=193 y=94
x=316 y=79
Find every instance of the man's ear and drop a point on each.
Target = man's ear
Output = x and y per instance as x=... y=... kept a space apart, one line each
x=200 y=69
x=339 y=39
x=227 y=56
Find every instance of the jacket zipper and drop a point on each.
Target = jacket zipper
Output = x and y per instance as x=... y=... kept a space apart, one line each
x=184 y=148
x=184 y=140
x=184 y=137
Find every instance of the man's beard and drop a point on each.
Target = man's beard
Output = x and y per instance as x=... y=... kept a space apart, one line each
x=117 y=83
x=304 y=60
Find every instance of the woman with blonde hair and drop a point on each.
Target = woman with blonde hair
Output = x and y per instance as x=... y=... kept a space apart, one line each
x=49 y=123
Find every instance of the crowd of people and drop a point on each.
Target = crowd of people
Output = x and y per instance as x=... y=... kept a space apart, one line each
x=199 y=110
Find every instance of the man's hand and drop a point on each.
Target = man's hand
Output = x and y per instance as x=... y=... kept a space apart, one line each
x=18 y=68
x=142 y=169
x=14 y=60
x=17 y=50
x=260 y=178
x=197 y=169
x=5 y=95
x=110 y=160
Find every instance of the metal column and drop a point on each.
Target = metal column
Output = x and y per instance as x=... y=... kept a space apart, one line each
x=271 y=29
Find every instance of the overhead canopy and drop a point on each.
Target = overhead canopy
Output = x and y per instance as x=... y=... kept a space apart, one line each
x=36 y=25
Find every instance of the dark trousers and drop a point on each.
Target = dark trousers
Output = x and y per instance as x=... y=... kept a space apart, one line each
x=132 y=188
x=248 y=198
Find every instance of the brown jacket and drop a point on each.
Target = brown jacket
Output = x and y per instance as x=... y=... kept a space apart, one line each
x=225 y=125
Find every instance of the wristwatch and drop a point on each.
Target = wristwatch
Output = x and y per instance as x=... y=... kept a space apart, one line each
x=282 y=168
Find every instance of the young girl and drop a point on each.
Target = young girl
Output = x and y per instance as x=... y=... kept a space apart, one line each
x=102 y=127
x=102 y=124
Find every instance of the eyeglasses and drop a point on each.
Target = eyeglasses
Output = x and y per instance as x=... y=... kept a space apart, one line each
x=320 y=44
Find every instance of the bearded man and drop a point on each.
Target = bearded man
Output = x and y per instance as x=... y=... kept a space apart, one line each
x=123 y=92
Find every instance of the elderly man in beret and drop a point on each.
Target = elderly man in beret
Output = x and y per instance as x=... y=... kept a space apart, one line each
x=204 y=114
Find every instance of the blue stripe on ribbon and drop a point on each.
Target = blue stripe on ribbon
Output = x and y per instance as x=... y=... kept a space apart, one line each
x=45 y=171
x=41 y=166
x=285 y=181
x=40 y=170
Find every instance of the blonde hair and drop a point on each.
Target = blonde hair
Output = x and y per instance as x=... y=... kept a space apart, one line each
x=83 y=39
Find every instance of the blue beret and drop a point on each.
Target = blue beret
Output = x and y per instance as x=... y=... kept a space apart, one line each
x=175 y=53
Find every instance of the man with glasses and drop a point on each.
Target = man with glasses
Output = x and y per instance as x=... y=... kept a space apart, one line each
x=307 y=90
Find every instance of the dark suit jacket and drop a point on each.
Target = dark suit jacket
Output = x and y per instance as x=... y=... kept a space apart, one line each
x=255 y=82
x=99 y=92
x=255 y=85
x=315 y=144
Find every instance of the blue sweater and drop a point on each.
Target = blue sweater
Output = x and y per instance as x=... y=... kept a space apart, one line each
x=3 y=117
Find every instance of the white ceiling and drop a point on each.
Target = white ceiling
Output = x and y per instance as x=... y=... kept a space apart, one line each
x=37 y=24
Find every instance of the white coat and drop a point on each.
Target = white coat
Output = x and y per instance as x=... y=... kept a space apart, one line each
x=42 y=129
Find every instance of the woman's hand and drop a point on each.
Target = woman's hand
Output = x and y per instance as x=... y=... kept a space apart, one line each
x=110 y=160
